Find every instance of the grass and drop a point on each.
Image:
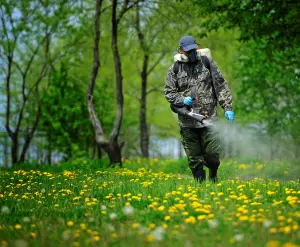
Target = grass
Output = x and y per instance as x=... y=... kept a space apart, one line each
x=150 y=203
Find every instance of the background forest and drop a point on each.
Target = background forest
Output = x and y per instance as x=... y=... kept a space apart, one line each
x=47 y=64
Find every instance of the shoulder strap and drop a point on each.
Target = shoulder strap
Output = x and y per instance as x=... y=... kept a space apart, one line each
x=176 y=68
x=206 y=62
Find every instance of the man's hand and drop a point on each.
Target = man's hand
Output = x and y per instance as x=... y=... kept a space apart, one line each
x=229 y=116
x=188 y=101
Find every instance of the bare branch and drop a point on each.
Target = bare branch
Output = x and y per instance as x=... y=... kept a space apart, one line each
x=125 y=9
x=157 y=90
x=156 y=63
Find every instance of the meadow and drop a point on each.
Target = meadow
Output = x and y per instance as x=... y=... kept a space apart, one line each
x=150 y=203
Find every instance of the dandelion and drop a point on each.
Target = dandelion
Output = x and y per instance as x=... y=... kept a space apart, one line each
x=273 y=230
x=70 y=223
x=288 y=244
x=166 y=218
x=213 y=223
x=135 y=225
x=267 y=223
x=43 y=190
x=114 y=235
x=113 y=216
x=150 y=238
x=103 y=207
x=273 y=243
x=201 y=217
x=151 y=226
x=18 y=226
x=65 y=235
x=238 y=237
x=82 y=226
x=26 y=219
x=5 y=210
x=128 y=210
x=191 y=220
x=96 y=238
x=158 y=233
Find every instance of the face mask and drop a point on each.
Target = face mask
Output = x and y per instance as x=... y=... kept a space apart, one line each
x=192 y=55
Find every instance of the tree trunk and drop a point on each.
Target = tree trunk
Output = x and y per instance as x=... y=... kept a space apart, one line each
x=144 y=135
x=114 y=153
x=99 y=152
x=6 y=151
x=111 y=146
x=14 y=149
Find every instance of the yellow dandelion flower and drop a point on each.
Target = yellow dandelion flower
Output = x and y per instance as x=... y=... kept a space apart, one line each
x=273 y=243
x=96 y=238
x=201 y=217
x=135 y=225
x=151 y=226
x=273 y=230
x=288 y=244
x=168 y=217
x=114 y=235
x=18 y=226
x=150 y=238
x=70 y=223
x=190 y=219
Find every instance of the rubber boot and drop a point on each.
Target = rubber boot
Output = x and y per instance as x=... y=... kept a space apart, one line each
x=213 y=174
x=199 y=175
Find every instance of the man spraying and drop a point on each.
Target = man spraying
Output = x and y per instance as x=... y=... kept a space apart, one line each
x=196 y=85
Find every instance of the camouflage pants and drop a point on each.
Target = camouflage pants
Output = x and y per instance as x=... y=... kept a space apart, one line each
x=202 y=147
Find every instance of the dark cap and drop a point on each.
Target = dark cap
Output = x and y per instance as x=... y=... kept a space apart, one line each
x=188 y=43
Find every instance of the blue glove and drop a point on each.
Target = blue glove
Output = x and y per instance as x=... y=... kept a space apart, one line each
x=188 y=101
x=229 y=116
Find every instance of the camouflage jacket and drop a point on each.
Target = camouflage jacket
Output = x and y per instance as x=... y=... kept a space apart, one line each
x=211 y=90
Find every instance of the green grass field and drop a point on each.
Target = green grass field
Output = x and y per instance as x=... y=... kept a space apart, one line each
x=150 y=203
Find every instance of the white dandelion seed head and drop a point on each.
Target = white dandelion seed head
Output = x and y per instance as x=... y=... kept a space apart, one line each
x=26 y=219
x=128 y=210
x=213 y=223
x=5 y=210
x=267 y=223
x=113 y=216
x=239 y=237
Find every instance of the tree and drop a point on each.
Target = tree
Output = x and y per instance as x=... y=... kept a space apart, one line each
x=111 y=146
x=27 y=33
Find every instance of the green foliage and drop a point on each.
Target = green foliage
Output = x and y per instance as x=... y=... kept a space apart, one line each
x=269 y=85
x=65 y=120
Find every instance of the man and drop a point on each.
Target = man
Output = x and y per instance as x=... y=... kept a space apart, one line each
x=201 y=143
